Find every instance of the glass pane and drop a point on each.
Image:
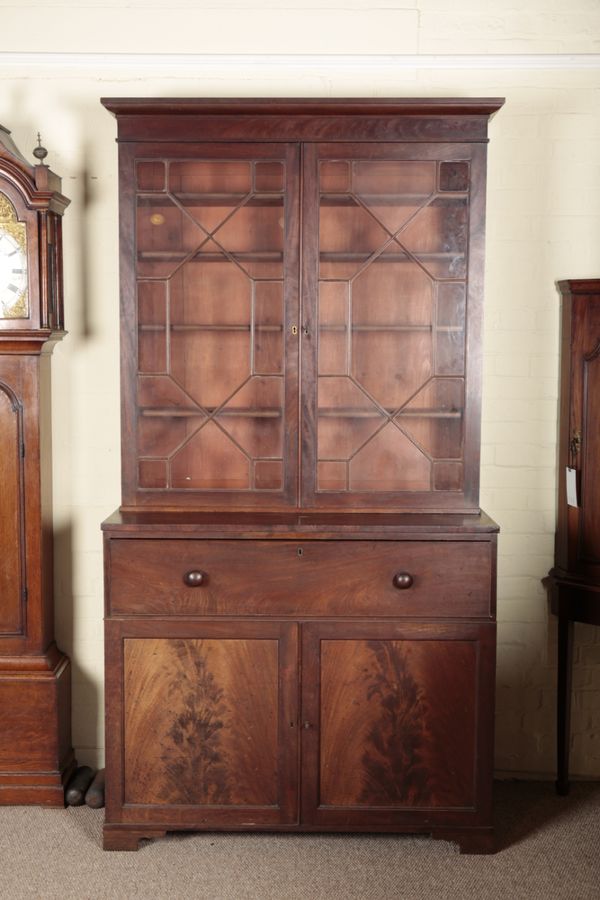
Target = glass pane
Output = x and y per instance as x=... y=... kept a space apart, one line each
x=14 y=295
x=151 y=176
x=211 y=324
x=153 y=473
x=211 y=308
x=347 y=418
x=268 y=176
x=393 y=190
x=209 y=177
x=210 y=191
x=168 y=416
x=437 y=237
x=152 y=326
x=450 y=354
x=210 y=460
x=254 y=236
x=454 y=176
x=335 y=176
x=390 y=462
x=332 y=476
x=254 y=418
x=333 y=327
x=390 y=293
x=165 y=236
x=268 y=474
x=448 y=476
x=451 y=304
x=268 y=328
x=348 y=236
x=434 y=418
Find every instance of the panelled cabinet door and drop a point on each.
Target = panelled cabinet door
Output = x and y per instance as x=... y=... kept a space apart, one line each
x=211 y=377
x=392 y=718
x=207 y=721
x=393 y=259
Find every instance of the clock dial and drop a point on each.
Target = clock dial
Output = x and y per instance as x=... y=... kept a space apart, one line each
x=14 y=299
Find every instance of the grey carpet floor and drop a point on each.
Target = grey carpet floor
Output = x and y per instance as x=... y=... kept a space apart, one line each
x=548 y=847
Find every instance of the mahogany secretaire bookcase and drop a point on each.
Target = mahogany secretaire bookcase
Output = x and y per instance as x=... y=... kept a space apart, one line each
x=36 y=758
x=300 y=585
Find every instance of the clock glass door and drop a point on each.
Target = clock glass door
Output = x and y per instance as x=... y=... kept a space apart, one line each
x=14 y=298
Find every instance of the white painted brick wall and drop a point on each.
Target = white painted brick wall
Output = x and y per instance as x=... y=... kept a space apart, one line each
x=543 y=225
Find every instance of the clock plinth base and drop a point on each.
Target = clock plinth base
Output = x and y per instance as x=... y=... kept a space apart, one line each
x=36 y=759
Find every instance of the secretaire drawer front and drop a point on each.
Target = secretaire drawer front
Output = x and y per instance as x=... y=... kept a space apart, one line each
x=309 y=578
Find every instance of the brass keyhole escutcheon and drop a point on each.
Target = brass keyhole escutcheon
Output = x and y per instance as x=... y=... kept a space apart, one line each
x=294 y=329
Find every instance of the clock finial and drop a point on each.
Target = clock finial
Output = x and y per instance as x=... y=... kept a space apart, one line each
x=40 y=152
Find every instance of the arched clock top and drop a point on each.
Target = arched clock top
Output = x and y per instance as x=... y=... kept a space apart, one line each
x=38 y=186
x=31 y=208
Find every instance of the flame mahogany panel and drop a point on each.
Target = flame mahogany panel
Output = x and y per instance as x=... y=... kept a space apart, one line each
x=201 y=721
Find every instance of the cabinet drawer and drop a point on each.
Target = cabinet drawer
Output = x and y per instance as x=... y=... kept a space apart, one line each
x=301 y=579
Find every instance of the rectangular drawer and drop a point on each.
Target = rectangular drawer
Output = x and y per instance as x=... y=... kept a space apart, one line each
x=302 y=579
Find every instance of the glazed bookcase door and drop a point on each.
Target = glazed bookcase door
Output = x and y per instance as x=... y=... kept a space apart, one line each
x=214 y=292
x=393 y=723
x=206 y=718
x=391 y=287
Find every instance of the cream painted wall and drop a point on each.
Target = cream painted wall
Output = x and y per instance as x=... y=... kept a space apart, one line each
x=543 y=224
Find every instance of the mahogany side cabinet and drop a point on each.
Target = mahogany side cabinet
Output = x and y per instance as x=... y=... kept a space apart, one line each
x=575 y=578
x=36 y=757
x=300 y=584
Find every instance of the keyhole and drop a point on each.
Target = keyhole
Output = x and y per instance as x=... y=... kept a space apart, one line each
x=300 y=551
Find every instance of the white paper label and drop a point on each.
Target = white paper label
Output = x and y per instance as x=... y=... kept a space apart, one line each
x=572 y=487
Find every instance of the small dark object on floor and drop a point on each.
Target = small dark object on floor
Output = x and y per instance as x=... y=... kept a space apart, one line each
x=94 y=796
x=78 y=785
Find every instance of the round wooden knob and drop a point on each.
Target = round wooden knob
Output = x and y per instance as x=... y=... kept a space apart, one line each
x=402 y=580
x=194 y=578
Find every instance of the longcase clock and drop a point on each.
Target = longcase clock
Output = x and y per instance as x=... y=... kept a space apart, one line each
x=36 y=757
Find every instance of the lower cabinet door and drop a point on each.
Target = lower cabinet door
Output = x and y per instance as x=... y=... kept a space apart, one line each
x=202 y=722
x=397 y=724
